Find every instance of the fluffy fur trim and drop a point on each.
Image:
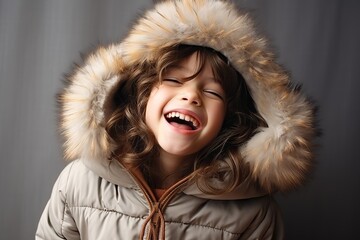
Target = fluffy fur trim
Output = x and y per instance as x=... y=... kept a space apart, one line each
x=279 y=156
x=82 y=114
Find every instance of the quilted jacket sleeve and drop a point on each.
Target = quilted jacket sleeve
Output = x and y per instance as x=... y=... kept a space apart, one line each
x=56 y=221
x=268 y=223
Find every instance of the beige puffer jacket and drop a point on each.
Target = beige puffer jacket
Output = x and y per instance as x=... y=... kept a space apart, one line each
x=97 y=199
x=103 y=201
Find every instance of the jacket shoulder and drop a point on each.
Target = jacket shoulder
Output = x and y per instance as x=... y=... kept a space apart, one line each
x=77 y=182
x=266 y=221
x=56 y=221
x=73 y=173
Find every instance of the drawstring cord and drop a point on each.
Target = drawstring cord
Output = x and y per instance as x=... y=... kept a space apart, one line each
x=153 y=231
x=156 y=217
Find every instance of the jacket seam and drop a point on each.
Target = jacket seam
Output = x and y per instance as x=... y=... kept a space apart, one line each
x=204 y=226
x=168 y=222
x=65 y=196
x=107 y=210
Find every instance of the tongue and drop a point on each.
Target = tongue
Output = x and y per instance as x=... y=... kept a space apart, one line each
x=181 y=126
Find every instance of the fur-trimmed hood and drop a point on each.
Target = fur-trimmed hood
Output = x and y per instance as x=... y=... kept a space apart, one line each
x=279 y=156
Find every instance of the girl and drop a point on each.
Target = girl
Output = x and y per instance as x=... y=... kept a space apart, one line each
x=182 y=131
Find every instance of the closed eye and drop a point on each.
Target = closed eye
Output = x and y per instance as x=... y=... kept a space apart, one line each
x=213 y=94
x=171 y=81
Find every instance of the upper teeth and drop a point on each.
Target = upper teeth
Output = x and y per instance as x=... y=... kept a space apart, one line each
x=182 y=116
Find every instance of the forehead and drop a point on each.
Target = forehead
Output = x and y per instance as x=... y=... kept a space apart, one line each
x=192 y=66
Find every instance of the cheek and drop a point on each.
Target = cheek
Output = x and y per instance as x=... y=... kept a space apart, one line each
x=153 y=98
x=154 y=106
x=150 y=107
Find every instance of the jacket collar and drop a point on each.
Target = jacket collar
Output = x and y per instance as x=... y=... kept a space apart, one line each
x=114 y=172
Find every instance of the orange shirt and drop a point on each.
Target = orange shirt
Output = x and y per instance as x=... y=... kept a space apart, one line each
x=158 y=193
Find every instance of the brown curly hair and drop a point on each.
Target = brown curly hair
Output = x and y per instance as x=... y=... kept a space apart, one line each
x=218 y=167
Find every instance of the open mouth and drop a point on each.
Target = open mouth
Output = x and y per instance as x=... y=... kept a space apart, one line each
x=182 y=121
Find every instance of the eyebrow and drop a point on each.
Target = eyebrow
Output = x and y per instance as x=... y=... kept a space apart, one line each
x=180 y=67
x=177 y=66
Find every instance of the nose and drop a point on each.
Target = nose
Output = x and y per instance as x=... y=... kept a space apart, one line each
x=192 y=96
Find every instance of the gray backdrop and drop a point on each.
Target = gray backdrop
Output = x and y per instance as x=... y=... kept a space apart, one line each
x=317 y=40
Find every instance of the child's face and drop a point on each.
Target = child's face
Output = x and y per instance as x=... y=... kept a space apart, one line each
x=186 y=114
